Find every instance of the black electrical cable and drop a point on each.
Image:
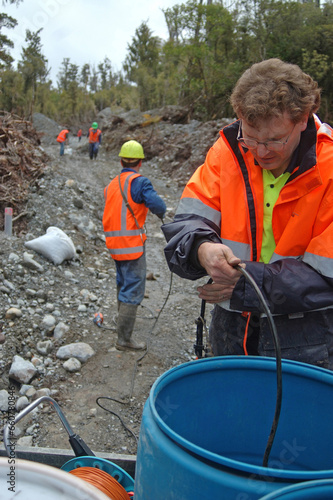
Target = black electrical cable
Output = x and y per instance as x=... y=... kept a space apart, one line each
x=263 y=302
x=137 y=361
x=116 y=414
x=199 y=347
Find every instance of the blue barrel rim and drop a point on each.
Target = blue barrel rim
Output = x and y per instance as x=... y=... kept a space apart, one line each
x=305 y=485
x=293 y=367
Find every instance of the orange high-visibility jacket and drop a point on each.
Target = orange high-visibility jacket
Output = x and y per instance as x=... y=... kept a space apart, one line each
x=223 y=201
x=94 y=135
x=63 y=135
x=124 y=239
x=302 y=217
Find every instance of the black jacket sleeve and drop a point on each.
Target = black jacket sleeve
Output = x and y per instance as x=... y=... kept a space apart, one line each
x=184 y=236
x=288 y=285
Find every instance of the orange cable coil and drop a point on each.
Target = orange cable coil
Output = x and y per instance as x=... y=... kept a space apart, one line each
x=103 y=481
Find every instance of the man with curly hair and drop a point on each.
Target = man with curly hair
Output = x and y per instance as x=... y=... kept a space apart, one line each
x=263 y=199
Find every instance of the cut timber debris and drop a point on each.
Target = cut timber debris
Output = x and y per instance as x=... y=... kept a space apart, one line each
x=22 y=162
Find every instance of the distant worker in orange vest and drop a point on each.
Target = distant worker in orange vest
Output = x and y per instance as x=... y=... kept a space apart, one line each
x=79 y=134
x=62 y=138
x=95 y=139
x=128 y=198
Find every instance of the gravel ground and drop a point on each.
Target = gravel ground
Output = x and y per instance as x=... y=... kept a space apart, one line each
x=70 y=197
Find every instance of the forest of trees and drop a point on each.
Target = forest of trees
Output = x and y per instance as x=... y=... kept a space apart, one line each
x=209 y=46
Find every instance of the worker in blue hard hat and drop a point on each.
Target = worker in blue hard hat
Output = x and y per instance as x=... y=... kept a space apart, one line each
x=128 y=198
x=95 y=139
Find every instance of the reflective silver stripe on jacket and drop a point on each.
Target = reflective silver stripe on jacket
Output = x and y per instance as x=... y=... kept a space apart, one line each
x=126 y=232
x=243 y=251
x=125 y=251
x=276 y=257
x=240 y=250
x=194 y=206
x=226 y=305
x=324 y=265
x=325 y=129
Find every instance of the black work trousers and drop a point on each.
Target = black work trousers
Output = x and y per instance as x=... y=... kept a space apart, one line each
x=307 y=337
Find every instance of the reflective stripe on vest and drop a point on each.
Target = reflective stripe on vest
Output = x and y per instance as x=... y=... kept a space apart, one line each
x=125 y=251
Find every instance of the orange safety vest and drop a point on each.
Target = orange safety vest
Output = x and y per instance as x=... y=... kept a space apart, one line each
x=62 y=136
x=94 y=135
x=124 y=239
x=230 y=195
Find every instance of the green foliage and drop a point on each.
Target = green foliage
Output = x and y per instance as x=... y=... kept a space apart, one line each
x=142 y=65
x=209 y=46
x=144 y=50
x=125 y=95
x=11 y=95
x=63 y=75
x=203 y=48
x=5 y=43
x=33 y=68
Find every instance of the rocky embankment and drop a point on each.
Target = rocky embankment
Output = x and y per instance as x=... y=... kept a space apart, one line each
x=49 y=342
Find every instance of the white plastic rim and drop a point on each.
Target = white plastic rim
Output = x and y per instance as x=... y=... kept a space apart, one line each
x=34 y=481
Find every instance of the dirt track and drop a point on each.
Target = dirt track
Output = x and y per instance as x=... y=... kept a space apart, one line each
x=166 y=319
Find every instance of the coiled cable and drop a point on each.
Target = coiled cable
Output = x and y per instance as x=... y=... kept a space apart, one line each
x=102 y=481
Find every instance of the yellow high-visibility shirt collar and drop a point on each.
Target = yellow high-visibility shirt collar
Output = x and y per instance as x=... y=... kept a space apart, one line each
x=272 y=188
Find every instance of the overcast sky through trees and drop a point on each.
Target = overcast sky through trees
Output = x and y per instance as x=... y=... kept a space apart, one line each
x=83 y=30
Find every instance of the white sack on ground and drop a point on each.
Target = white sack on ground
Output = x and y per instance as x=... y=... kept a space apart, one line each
x=55 y=245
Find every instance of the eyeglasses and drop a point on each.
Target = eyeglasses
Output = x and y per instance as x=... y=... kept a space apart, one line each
x=269 y=145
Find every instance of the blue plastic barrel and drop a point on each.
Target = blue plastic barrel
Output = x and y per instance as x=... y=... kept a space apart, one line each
x=320 y=490
x=206 y=423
